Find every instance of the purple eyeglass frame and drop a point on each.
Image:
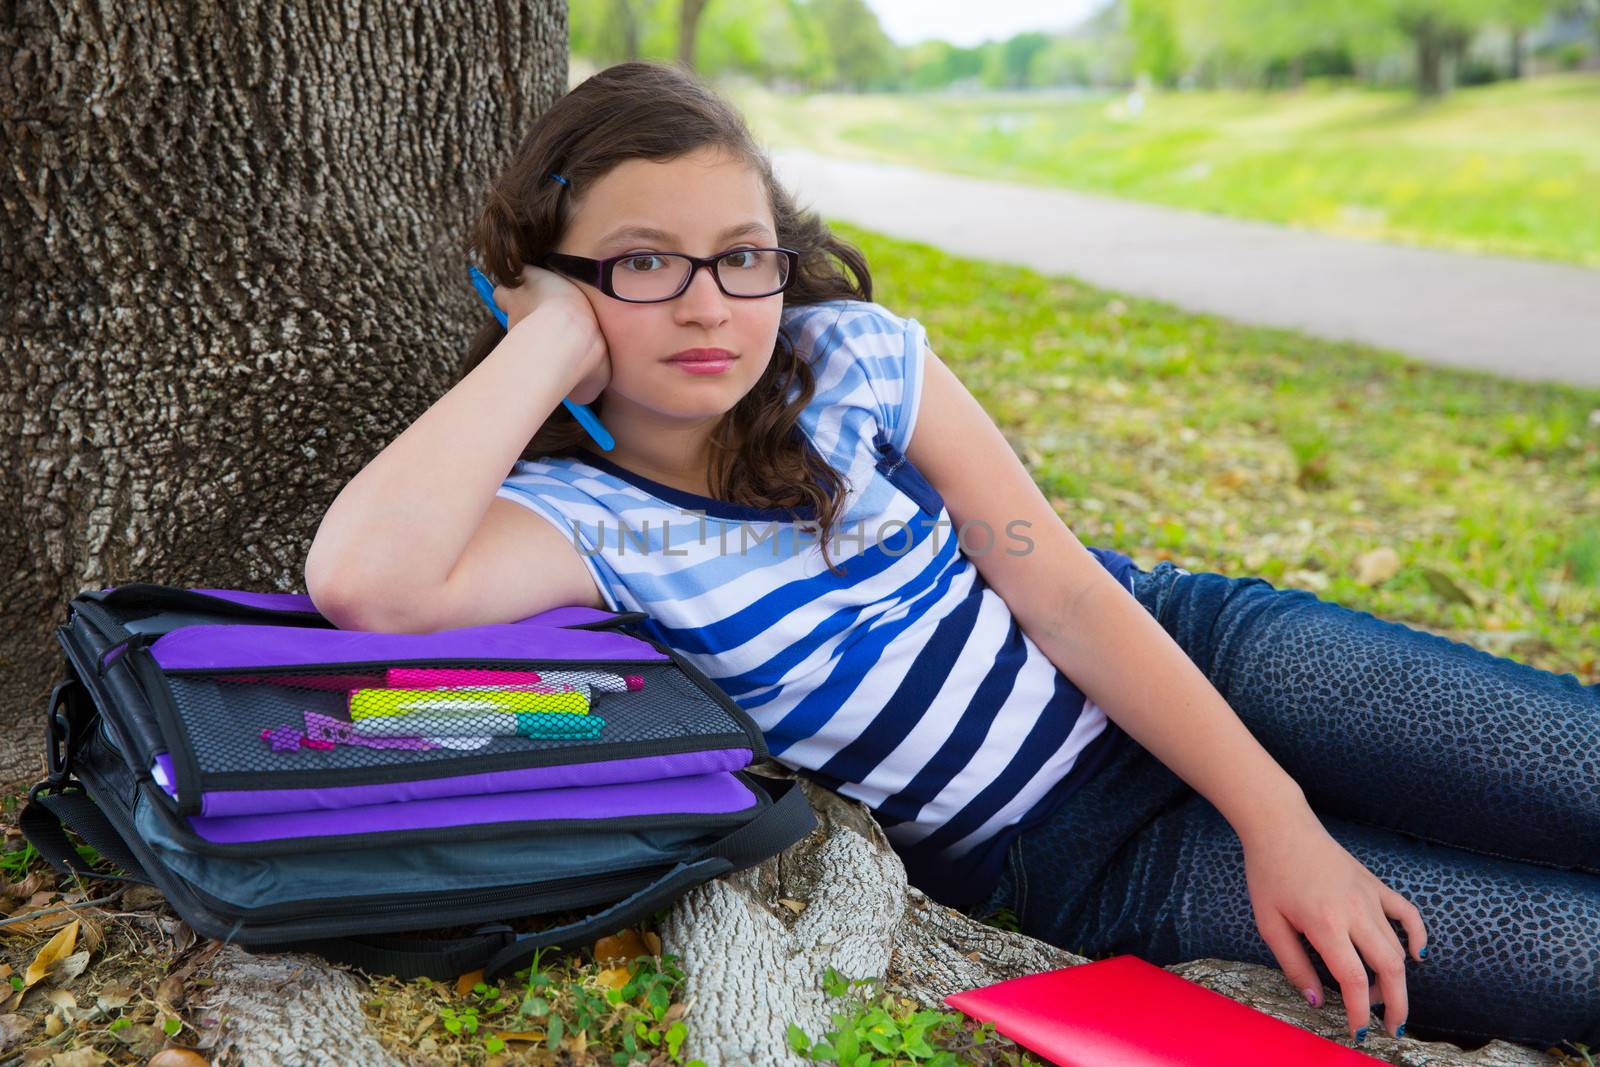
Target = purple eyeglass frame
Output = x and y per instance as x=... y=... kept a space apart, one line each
x=597 y=272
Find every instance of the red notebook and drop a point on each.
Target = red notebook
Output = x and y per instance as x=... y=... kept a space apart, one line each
x=1130 y=1013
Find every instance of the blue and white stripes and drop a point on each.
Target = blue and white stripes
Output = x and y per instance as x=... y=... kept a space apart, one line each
x=906 y=683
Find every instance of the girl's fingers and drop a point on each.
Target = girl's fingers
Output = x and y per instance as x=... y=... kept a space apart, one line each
x=1398 y=907
x=1381 y=950
x=1333 y=944
x=1284 y=941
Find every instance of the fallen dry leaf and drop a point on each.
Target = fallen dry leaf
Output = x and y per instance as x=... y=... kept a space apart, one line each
x=613 y=977
x=58 y=947
x=623 y=946
x=520 y=1035
x=63 y=999
x=1377 y=566
x=141 y=897
x=13 y=1028
x=183 y=937
x=465 y=983
x=38 y=924
x=53 y=1024
x=113 y=997
x=65 y=970
x=177 y=1057
x=93 y=934
x=78 y=1057
x=652 y=941
x=28 y=886
x=796 y=906
x=578 y=1043
x=427 y=1024
x=169 y=994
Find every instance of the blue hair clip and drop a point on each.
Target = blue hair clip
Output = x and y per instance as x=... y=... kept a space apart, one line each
x=581 y=412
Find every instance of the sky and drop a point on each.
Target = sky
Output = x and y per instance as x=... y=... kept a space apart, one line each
x=965 y=23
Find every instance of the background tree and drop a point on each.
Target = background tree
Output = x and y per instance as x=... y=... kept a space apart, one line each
x=1152 y=28
x=233 y=271
x=688 y=28
x=863 y=55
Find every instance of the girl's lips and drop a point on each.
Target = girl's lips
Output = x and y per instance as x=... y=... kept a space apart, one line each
x=703 y=366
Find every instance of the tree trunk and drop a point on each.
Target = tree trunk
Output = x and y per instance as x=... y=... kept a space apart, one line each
x=1430 y=58
x=630 y=32
x=232 y=273
x=1519 y=50
x=688 y=27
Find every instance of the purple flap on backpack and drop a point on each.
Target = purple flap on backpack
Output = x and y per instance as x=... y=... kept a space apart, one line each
x=695 y=795
x=570 y=615
x=227 y=803
x=230 y=647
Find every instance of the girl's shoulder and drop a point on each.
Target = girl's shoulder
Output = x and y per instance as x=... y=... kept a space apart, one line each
x=845 y=337
x=863 y=355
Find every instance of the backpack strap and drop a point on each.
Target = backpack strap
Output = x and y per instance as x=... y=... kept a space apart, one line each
x=44 y=819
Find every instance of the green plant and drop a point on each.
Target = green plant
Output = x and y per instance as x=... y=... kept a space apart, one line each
x=882 y=1030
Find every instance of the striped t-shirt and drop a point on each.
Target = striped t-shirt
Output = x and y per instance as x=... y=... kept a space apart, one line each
x=906 y=683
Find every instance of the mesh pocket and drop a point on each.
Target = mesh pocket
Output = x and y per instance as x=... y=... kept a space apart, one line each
x=423 y=717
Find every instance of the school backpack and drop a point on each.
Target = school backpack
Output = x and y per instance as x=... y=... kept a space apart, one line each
x=288 y=785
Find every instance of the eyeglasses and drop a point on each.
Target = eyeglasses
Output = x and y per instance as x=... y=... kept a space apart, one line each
x=652 y=277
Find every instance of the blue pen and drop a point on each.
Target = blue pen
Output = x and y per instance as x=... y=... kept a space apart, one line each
x=581 y=412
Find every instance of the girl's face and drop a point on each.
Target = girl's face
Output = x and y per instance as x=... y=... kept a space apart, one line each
x=701 y=203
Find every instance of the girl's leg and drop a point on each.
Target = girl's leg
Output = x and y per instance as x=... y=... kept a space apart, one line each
x=1393 y=727
x=1138 y=862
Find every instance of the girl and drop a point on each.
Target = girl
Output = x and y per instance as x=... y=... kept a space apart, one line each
x=811 y=507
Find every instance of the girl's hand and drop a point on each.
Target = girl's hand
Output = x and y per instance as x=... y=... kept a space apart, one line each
x=1302 y=880
x=540 y=288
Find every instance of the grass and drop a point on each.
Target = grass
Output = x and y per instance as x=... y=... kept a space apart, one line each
x=1254 y=451
x=1510 y=168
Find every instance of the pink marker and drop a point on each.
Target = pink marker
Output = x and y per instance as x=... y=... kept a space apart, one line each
x=549 y=681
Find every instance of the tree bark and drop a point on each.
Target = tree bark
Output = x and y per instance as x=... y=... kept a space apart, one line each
x=233 y=271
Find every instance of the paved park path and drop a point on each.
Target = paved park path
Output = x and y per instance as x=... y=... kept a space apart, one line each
x=1519 y=318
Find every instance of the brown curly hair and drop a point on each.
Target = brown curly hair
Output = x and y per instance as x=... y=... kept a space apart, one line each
x=643 y=110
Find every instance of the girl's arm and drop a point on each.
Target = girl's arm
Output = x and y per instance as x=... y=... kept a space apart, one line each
x=1109 y=645
x=397 y=529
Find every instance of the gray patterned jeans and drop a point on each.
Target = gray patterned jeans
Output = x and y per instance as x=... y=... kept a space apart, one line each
x=1469 y=783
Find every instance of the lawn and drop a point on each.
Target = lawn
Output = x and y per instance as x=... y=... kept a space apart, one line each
x=1510 y=168
x=1263 y=452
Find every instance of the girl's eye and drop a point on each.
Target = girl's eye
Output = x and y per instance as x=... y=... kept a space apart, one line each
x=633 y=263
x=741 y=259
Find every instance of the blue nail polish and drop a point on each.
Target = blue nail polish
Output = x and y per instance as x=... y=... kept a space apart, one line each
x=1361 y=1035
x=1401 y=1032
x=1422 y=953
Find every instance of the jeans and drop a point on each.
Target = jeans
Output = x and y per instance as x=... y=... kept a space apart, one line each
x=1468 y=783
